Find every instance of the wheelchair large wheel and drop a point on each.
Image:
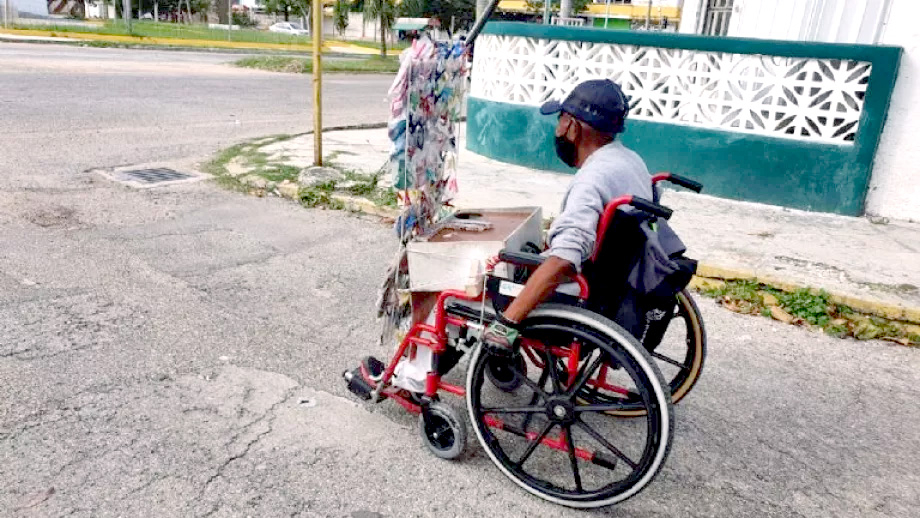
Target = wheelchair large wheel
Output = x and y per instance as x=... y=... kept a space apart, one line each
x=549 y=442
x=679 y=357
x=687 y=362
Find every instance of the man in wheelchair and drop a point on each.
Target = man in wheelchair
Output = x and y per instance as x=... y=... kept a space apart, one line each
x=589 y=372
x=590 y=118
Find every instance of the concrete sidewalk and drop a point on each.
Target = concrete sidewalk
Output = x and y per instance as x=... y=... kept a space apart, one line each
x=873 y=267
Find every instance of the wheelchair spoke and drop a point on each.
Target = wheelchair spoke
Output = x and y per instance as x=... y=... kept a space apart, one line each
x=533 y=445
x=599 y=408
x=514 y=410
x=530 y=383
x=553 y=369
x=572 y=459
x=585 y=374
x=599 y=438
x=670 y=360
x=534 y=399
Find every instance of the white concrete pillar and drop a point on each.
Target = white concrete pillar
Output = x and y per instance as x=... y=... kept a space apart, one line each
x=565 y=9
x=894 y=190
x=691 y=16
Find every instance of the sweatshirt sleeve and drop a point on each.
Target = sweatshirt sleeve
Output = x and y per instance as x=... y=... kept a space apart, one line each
x=573 y=233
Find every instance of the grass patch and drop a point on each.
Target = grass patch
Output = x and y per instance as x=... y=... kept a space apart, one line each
x=248 y=156
x=247 y=152
x=368 y=186
x=386 y=198
x=279 y=173
x=234 y=167
x=218 y=165
x=353 y=184
x=808 y=308
x=150 y=29
x=375 y=65
x=320 y=196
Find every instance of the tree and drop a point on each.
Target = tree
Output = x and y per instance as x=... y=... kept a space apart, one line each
x=451 y=13
x=384 y=12
x=340 y=16
x=288 y=7
x=414 y=8
x=459 y=13
x=201 y=7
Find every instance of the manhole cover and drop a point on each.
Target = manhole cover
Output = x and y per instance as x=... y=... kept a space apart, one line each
x=152 y=175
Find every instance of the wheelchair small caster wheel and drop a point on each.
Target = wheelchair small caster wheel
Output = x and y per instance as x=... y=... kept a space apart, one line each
x=505 y=372
x=443 y=430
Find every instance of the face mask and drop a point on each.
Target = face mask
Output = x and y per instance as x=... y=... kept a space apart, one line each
x=566 y=150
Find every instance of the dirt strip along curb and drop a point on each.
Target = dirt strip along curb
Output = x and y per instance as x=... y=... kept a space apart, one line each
x=861 y=304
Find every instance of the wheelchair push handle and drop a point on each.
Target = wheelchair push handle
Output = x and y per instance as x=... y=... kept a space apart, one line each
x=682 y=181
x=651 y=208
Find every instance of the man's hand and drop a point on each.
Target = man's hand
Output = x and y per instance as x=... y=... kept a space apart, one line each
x=500 y=337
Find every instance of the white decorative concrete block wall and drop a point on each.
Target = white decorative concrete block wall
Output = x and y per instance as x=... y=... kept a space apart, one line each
x=799 y=98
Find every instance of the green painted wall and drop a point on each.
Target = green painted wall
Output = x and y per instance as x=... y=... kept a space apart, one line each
x=792 y=173
x=820 y=177
x=616 y=24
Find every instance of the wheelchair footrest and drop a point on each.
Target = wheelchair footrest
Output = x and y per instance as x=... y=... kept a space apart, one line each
x=362 y=380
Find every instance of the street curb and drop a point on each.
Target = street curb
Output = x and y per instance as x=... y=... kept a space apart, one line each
x=861 y=304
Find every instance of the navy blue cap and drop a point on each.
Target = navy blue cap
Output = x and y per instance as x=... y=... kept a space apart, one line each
x=598 y=102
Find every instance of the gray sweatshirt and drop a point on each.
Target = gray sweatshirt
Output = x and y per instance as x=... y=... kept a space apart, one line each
x=609 y=172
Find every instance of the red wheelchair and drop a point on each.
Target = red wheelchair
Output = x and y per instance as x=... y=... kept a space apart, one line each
x=552 y=415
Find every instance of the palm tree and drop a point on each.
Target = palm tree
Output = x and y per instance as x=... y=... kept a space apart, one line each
x=385 y=12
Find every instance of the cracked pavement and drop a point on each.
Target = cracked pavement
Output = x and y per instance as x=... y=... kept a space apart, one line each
x=178 y=351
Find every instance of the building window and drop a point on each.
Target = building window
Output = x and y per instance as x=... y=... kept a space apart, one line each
x=718 y=14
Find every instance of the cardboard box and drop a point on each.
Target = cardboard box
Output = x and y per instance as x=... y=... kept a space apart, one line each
x=445 y=259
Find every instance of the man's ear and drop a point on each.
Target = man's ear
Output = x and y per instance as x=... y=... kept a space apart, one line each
x=574 y=131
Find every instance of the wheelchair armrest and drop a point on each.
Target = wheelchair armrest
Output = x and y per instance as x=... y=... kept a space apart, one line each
x=521 y=258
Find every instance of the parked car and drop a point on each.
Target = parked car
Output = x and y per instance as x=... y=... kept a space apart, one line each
x=289 y=28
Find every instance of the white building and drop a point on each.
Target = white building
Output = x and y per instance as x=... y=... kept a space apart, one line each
x=834 y=21
x=616 y=14
x=895 y=187
x=25 y=8
x=96 y=9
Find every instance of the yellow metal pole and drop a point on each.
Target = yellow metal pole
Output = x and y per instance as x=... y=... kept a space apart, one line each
x=317 y=83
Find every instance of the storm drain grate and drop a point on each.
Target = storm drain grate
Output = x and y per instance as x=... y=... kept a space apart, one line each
x=152 y=176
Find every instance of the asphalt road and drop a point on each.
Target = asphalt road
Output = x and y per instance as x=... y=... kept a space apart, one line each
x=86 y=107
x=177 y=351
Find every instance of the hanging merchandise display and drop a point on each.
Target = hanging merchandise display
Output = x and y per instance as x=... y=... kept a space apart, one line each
x=426 y=98
x=425 y=104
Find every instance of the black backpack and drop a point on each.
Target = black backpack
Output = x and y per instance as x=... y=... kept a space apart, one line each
x=637 y=273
